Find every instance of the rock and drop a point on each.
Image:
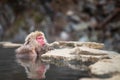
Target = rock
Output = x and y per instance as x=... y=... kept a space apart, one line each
x=72 y=44
x=115 y=77
x=90 y=79
x=9 y=44
x=82 y=54
x=95 y=52
x=57 y=55
x=106 y=66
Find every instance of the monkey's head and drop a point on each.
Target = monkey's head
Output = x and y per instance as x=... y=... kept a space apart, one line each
x=36 y=36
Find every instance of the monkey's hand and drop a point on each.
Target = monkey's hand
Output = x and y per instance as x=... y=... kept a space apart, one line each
x=47 y=47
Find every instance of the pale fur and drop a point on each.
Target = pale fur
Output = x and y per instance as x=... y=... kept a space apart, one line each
x=32 y=36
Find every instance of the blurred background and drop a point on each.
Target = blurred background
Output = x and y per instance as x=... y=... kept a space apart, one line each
x=78 y=20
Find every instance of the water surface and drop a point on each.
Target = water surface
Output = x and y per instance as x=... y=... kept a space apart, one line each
x=11 y=70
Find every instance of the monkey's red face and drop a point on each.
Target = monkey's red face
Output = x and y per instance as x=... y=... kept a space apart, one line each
x=41 y=40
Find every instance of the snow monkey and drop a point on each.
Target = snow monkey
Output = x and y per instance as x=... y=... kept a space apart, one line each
x=28 y=55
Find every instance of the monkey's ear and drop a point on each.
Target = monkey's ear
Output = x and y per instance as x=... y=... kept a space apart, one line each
x=29 y=36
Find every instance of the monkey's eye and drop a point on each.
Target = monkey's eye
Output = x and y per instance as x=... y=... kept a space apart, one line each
x=39 y=37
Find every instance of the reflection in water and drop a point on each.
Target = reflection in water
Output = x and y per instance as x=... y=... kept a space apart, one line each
x=10 y=70
x=34 y=70
x=37 y=70
x=28 y=57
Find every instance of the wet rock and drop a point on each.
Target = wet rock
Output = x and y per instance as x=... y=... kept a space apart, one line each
x=106 y=66
x=115 y=77
x=90 y=79
x=9 y=44
x=70 y=48
x=101 y=64
x=69 y=56
x=72 y=44
x=82 y=54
